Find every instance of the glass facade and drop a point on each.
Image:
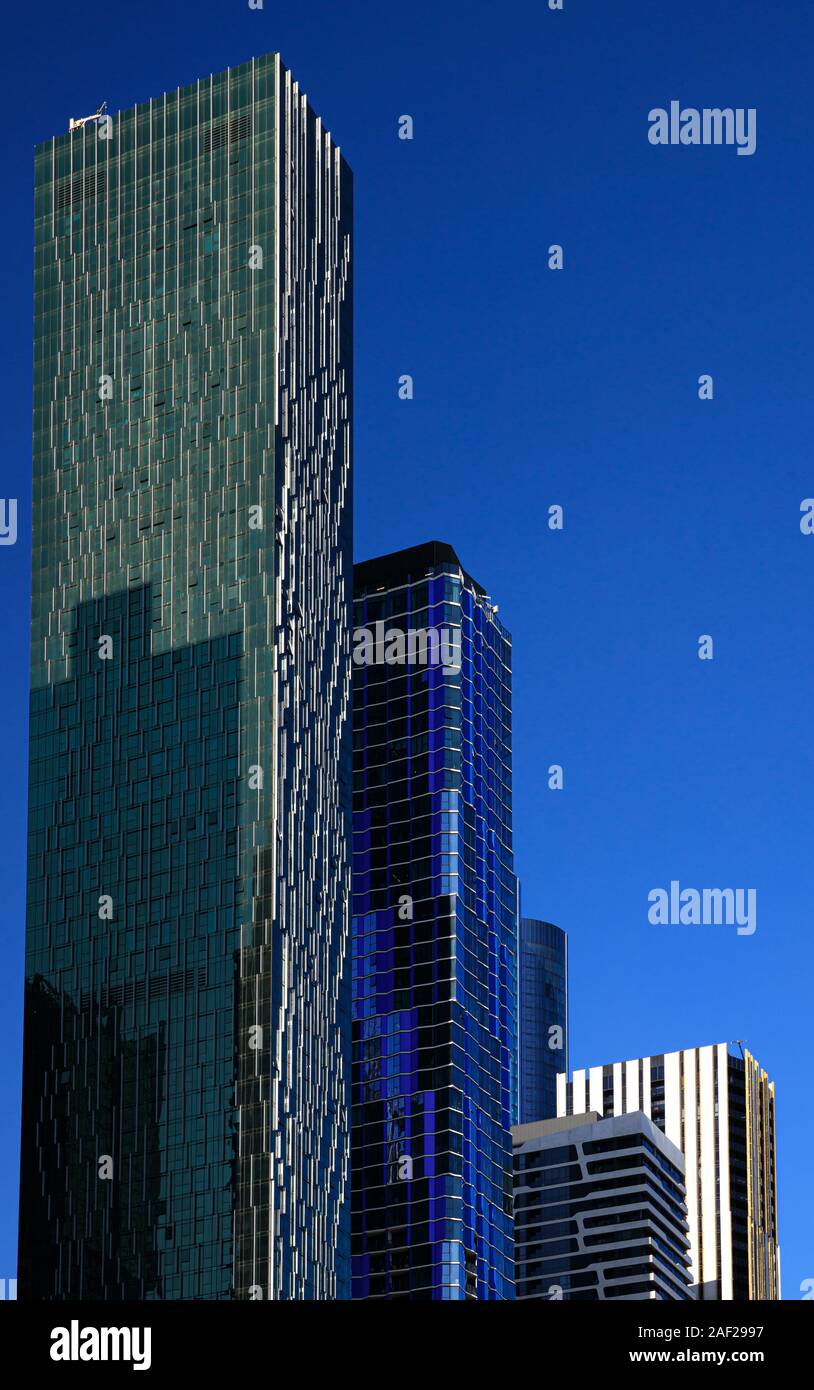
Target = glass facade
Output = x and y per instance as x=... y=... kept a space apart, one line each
x=543 y=1017
x=434 y=935
x=187 y=1022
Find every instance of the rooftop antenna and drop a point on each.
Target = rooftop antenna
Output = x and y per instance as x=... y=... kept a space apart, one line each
x=76 y=124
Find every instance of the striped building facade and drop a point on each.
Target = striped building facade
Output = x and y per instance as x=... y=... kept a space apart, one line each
x=718 y=1108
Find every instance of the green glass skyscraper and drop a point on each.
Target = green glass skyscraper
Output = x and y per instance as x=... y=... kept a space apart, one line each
x=185 y=1108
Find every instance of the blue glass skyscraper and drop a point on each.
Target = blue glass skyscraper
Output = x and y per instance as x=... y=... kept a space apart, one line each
x=434 y=934
x=543 y=1017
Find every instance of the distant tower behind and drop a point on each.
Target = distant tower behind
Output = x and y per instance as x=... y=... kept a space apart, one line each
x=543 y=1031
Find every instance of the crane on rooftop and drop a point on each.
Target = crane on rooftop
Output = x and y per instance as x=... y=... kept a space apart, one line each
x=76 y=124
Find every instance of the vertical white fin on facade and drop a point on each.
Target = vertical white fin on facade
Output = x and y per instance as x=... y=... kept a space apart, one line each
x=725 y=1213
x=688 y=1102
x=672 y=1098
x=646 y=1101
x=707 y=1129
x=579 y=1107
x=632 y=1086
x=595 y=1098
x=562 y=1103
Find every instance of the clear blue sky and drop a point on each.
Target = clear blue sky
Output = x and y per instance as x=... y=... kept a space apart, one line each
x=534 y=387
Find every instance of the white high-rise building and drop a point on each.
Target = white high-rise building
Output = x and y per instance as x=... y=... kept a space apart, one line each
x=718 y=1108
x=599 y=1210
